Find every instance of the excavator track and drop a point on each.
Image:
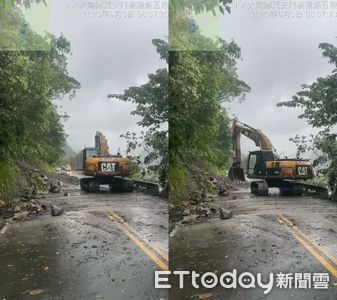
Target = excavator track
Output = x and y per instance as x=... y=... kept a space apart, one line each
x=116 y=184
x=259 y=188
x=290 y=188
x=310 y=189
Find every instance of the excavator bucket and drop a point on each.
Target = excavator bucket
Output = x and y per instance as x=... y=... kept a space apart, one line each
x=236 y=173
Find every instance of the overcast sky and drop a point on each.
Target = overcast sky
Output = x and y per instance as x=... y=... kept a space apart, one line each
x=112 y=53
x=109 y=55
x=279 y=54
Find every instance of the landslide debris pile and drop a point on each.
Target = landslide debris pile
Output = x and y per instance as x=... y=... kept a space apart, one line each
x=203 y=189
x=206 y=186
x=33 y=187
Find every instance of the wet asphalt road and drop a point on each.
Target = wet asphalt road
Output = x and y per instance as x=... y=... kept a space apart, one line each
x=267 y=235
x=87 y=253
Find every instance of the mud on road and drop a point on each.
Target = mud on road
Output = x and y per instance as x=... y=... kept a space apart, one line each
x=266 y=234
x=104 y=246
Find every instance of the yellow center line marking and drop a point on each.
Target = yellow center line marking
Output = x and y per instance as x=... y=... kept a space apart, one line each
x=162 y=265
x=159 y=251
x=319 y=247
x=328 y=266
x=291 y=224
x=152 y=246
x=149 y=253
x=281 y=221
x=307 y=244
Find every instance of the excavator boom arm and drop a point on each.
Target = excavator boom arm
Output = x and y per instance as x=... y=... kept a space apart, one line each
x=101 y=144
x=236 y=172
x=256 y=135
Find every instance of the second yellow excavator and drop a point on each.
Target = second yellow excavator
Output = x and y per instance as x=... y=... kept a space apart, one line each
x=263 y=165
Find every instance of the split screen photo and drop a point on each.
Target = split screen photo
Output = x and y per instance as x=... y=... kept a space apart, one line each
x=168 y=149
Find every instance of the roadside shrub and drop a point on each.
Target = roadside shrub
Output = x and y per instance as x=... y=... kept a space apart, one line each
x=178 y=186
x=8 y=182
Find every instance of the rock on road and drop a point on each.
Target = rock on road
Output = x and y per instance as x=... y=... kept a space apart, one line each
x=97 y=249
x=266 y=234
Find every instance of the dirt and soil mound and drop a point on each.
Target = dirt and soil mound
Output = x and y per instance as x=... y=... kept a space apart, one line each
x=33 y=188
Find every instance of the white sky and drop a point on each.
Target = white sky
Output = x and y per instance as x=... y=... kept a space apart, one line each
x=278 y=55
x=110 y=54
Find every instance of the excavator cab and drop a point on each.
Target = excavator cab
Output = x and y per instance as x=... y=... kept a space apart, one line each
x=256 y=165
x=87 y=153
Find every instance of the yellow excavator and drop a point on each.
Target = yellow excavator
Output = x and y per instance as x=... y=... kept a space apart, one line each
x=102 y=168
x=263 y=165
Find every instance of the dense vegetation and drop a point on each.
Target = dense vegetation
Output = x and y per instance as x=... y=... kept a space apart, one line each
x=319 y=102
x=200 y=81
x=184 y=34
x=152 y=107
x=202 y=77
x=191 y=94
x=30 y=81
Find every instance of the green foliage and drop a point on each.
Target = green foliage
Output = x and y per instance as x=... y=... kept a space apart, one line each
x=178 y=185
x=8 y=181
x=184 y=34
x=29 y=123
x=151 y=100
x=200 y=81
x=202 y=77
x=30 y=82
x=319 y=98
x=152 y=106
x=318 y=101
x=190 y=96
x=15 y=33
x=140 y=171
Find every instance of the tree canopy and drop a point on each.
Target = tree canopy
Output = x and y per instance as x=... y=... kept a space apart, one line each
x=203 y=76
x=190 y=95
x=30 y=81
x=30 y=84
x=200 y=82
x=151 y=101
x=319 y=103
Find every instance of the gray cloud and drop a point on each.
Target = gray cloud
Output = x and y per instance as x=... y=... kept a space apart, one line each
x=279 y=55
x=109 y=55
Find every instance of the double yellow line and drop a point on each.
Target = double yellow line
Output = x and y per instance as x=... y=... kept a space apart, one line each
x=153 y=252
x=319 y=252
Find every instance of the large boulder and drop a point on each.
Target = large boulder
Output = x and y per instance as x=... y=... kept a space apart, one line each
x=54 y=186
x=225 y=214
x=56 y=210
